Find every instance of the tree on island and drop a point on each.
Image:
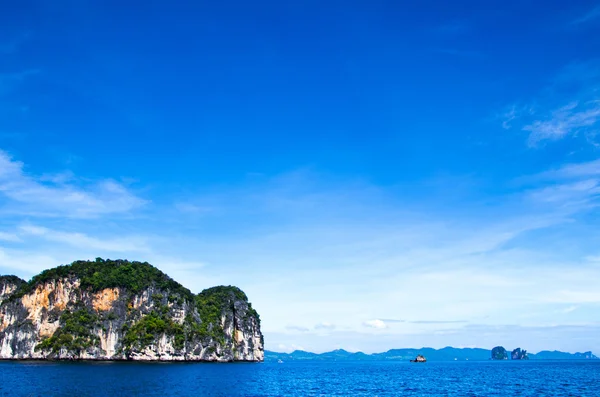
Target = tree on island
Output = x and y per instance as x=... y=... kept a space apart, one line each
x=499 y=353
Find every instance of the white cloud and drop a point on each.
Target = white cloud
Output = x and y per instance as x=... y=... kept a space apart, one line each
x=33 y=196
x=289 y=348
x=82 y=241
x=569 y=189
x=579 y=194
x=284 y=241
x=25 y=264
x=9 y=237
x=509 y=117
x=192 y=208
x=570 y=171
x=574 y=296
x=378 y=324
x=568 y=107
x=564 y=121
x=297 y=328
x=325 y=325
x=569 y=309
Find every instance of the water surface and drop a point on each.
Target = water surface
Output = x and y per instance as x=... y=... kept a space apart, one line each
x=527 y=378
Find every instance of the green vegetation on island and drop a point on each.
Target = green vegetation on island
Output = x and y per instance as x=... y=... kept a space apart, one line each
x=499 y=353
x=74 y=334
x=133 y=301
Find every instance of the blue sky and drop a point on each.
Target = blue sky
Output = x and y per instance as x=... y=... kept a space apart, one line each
x=373 y=174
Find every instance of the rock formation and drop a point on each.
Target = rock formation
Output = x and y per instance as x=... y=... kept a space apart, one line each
x=519 y=354
x=121 y=310
x=499 y=353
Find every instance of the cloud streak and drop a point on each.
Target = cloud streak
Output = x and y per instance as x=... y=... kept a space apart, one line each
x=11 y=237
x=304 y=230
x=80 y=240
x=325 y=326
x=568 y=107
x=567 y=120
x=36 y=196
x=377 y=324
x=587 y=17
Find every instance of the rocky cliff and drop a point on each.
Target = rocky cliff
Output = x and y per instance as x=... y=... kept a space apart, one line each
x=121 y=310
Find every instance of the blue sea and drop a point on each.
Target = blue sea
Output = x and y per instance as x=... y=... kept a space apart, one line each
x=522 y=378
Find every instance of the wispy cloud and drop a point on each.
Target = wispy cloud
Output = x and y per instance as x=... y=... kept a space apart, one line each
x=381 y=249
x=567 y=120
x=36 y=196
x=325 y=325
x=25 y=263
x=377 y=324
x=297 y=328
x=508 y=117
x=514 y=113
x=568 y=310
x=574 y=296
x=192 y=208
x=83 y=241
x=578 y=195
x=569 y=189
x=587 y=17
x=569 y=106
x=389 y=320
x=438 y=322
x=4 y=236
x=392 y=320
x=566 y=337
x=570 y=171
x=289 y=348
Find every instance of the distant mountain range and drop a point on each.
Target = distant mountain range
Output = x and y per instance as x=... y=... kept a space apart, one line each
x=445 y=354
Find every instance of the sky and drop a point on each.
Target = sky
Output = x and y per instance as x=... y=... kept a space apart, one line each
x=373 y=174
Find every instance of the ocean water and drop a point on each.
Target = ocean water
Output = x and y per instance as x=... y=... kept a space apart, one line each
x=526 y=378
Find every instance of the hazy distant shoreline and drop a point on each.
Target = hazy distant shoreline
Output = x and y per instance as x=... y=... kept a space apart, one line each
x=444 y=354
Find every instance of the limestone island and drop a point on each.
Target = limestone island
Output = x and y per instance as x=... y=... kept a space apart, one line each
x=122 y=310
x=500 y=353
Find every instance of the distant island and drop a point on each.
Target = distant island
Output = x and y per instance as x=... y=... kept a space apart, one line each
x=122 y=310
x=445 y=354
x=500 y=353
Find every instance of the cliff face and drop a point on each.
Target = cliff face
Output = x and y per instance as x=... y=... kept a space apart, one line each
x=120 y=310
x=8 y=285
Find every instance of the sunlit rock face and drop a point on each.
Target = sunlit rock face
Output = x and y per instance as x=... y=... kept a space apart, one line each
x=121 y=310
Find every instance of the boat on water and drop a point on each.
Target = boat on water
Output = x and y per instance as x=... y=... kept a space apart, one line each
x=419 y=359
x=279 y=361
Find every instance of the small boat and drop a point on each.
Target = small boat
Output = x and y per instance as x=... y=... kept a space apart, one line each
x=280 y=361
x=419 y=359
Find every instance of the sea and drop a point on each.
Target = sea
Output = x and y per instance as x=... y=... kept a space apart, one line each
x=310 y=378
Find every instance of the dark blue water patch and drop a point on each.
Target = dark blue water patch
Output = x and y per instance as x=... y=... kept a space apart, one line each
x=527 y=378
